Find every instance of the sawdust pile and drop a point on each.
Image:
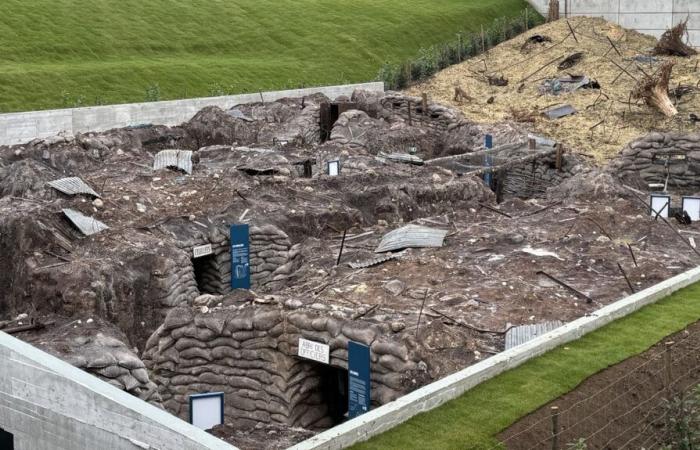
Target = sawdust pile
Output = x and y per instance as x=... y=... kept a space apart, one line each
x=606 y=118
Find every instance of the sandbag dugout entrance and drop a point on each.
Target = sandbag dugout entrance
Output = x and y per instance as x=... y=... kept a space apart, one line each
x=212 y=272
x=329 y=114
x=333 y=392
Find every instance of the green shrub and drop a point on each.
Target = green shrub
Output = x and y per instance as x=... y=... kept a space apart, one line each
x=466 y=45
x=152 y=93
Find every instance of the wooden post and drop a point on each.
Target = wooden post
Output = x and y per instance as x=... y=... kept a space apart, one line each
x=555 y=427
x=483 y=40
x=460 y=47
x=342 y=245
x=420 y=314
x=532 y=143
x=553 y=11
x=410 y=120
x=527 y=19
x=424 y=97
x=560 y=153
x=667 y=371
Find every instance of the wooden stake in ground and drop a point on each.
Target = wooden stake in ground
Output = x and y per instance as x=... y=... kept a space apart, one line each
x=553 y=11
x=461 y=96
x=671 y=43
x=653 y=90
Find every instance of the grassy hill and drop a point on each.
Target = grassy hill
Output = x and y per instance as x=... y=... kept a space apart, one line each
x=57 y=53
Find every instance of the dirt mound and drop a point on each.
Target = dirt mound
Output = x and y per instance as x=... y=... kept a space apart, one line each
x=610 y=55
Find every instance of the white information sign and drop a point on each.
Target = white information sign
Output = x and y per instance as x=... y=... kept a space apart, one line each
x=660 y=204
x=314 y=350
x=202 y=250
x=691 y=205
x=207 y=410
x=333 y=168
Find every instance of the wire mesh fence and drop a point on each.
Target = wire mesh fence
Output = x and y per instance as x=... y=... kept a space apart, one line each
x=653 y=401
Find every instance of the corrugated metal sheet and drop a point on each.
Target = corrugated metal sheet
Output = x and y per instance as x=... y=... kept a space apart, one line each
x=561 y=111
x=411 y=236
x=87 y=225
x=72 y=186
x=180 y=159
x=374 y=261
x=401 y=157
x=524 y=333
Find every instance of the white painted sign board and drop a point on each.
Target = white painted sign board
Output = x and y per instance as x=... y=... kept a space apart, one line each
x=207 y=410
x=202 y=250
x=333 y=168
x=691 y=205
x=314 y=350
x=660 y=204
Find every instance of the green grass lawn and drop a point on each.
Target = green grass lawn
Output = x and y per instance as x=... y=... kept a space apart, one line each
x=56 y=53
x=472 y=420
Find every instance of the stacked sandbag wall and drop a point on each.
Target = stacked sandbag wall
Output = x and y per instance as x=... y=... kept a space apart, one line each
x=249 y=352
x=644 y=161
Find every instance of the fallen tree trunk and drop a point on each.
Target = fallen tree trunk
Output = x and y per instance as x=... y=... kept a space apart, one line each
x=671 y=43
x=654 y=90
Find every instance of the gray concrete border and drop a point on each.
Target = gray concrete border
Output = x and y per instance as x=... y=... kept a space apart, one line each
x=18 y=128
x=435 y=394
x=646 y=16
x=47 y=404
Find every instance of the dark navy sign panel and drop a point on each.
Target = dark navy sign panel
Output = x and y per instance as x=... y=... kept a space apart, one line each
x=488 y=160
x=240 y=256
x=358 y=379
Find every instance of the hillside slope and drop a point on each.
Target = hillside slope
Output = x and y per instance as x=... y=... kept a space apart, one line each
x=68 y=52
x=605 y=120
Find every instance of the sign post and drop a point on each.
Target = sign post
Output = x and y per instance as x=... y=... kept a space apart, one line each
x=358 y=379
x=240 y=256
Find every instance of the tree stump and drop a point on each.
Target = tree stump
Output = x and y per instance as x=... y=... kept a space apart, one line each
x=671 y=43
x=553 y=11
x=654 y=90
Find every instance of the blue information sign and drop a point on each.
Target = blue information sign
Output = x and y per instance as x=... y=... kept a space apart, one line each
x=240 y=256
x=488 y=160
x=358 y=379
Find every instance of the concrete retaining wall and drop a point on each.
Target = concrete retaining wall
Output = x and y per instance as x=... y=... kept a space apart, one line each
x=17 y=128
x=435 y=394
x=47 y=404
x=646 y=16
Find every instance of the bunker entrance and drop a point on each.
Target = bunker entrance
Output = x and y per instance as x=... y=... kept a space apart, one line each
x=333 y=390
x=208 y=275
x=7 y=440
x=330 y=112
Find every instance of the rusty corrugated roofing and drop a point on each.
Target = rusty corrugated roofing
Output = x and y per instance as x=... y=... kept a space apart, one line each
x=72 y=186
x=180 y=159
x=411 y=236
x=87 y=225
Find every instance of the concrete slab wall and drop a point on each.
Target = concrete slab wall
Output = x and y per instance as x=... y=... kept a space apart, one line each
x=47 y=404
x=646 y=16
x=18 y=128
x=435 y=394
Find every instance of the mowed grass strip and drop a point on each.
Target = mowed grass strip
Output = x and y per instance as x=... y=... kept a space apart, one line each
x=56 y=53
x=473 y=420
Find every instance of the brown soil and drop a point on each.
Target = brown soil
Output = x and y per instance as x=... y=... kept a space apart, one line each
x=620 y=407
